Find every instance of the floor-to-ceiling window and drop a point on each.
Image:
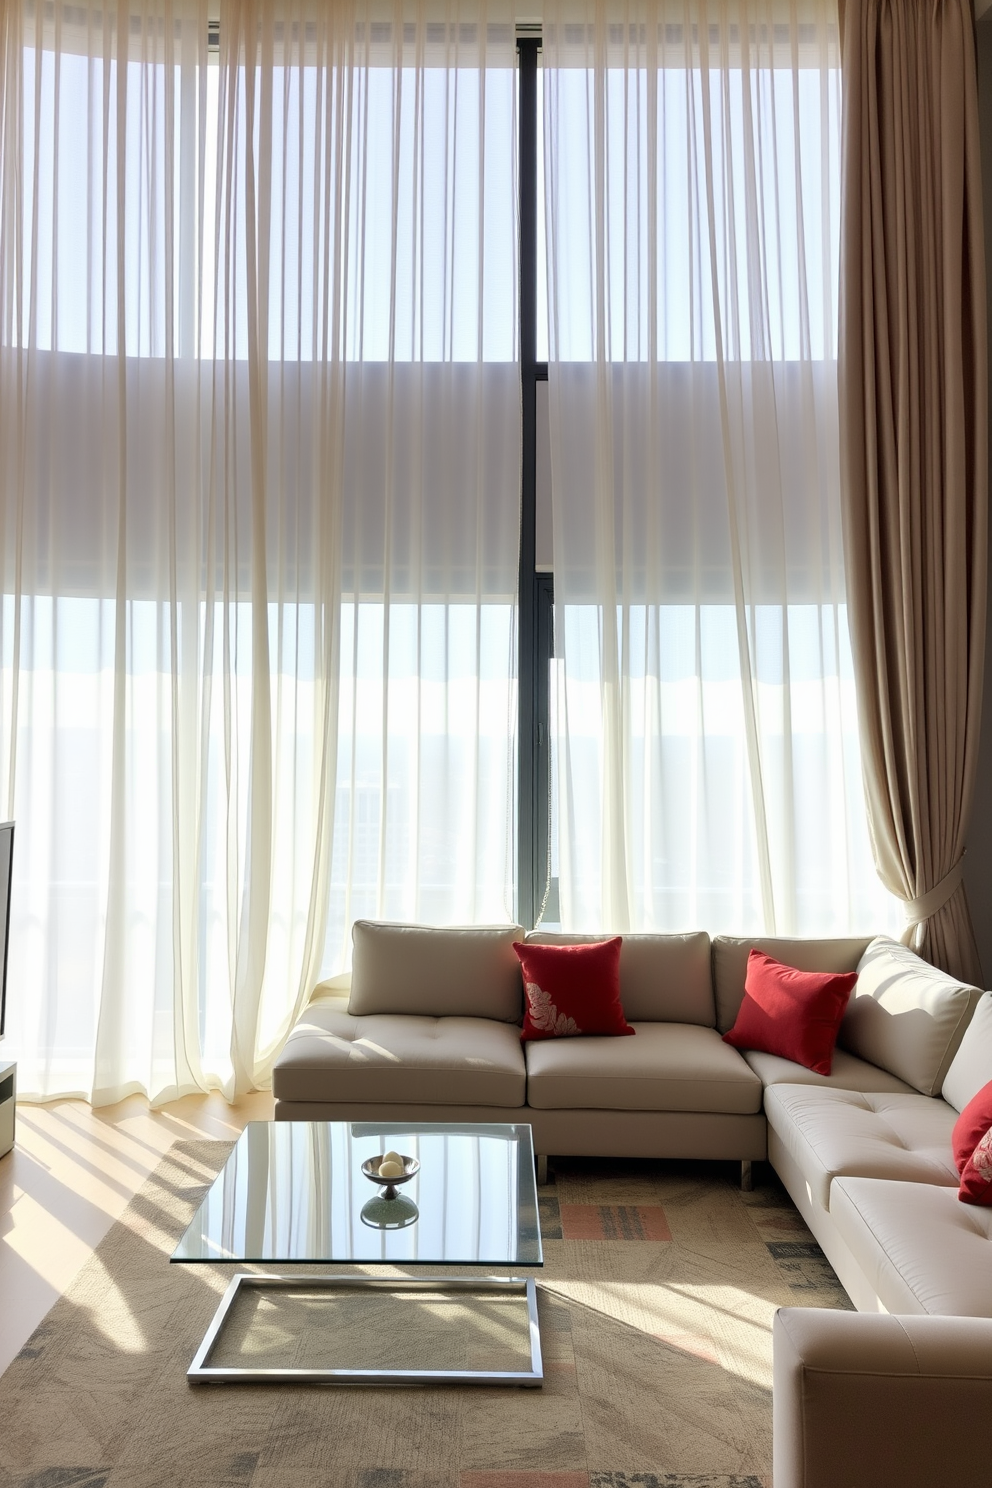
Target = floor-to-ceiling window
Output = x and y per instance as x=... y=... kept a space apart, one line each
x=705 y=755
x=259 y=468
x=418 y=460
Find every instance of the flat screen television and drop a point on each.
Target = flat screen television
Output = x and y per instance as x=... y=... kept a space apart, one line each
x=6 y=858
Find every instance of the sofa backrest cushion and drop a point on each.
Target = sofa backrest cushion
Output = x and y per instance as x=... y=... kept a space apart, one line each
x=730 y=953
x=971 y=1067
x=905 y=1015
x=438 y=973
x=663 y=978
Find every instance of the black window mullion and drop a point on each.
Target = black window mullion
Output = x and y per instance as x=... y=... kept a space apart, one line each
x=531 y=791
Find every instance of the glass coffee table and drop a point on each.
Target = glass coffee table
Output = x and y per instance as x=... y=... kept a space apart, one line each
x=294 y=1192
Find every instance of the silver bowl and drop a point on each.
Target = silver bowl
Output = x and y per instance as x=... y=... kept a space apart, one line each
x=370 y=1167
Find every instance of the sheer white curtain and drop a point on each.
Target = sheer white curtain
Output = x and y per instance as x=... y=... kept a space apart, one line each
x=708 y=767
x=259 y=470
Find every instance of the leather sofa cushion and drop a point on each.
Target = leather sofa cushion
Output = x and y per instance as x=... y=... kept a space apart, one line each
x=829 y=1133
x=666 y=1067
x=922 y=1250
x=905 y=1015
x=971 y=1067
x=730 y=953
x=396 y=1058
x=847 y=1072
x=418 y=969
x=663 y=978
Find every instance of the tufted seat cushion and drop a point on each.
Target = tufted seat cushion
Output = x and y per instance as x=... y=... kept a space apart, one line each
x=855 y=1133
x=400 y=1058
x=922 y=1250
x=847 y=1072
x=667 y=1067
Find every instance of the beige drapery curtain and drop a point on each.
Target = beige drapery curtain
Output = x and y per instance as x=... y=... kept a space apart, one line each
x=913 y=405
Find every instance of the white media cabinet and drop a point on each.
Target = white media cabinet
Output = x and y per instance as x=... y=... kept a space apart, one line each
x=8 y=1093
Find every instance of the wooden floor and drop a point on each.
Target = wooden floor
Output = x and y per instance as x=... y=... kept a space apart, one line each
x=71 y=1173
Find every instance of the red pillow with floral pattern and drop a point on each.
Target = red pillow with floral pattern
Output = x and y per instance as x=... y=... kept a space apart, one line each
x=572 y=989
x=971 y=1126
x=976 y=1180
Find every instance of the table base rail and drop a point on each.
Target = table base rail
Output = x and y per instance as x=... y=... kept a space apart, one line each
x=203 y=1371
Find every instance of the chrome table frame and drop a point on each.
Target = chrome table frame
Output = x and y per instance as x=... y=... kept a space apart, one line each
x=202 y=1372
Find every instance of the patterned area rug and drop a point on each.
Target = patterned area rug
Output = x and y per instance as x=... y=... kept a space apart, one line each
x=656 y=1301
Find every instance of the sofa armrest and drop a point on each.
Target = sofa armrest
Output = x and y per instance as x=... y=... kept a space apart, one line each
x=866 y=1400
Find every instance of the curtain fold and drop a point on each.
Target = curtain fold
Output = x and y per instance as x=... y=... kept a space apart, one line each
x=707 y=750
x=259 y=504
x=914 y=385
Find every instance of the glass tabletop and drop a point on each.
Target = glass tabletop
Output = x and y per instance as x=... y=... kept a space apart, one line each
x=295 y=1191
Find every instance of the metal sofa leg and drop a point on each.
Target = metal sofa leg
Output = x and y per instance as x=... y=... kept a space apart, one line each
x=747 y=1180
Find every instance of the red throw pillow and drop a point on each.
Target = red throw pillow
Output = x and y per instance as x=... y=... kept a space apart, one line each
x=793 y=1013
x=572 y=989
x=976 y=1180
x=971 y=1125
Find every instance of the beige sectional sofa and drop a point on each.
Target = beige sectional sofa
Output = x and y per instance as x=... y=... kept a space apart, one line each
x=429 y=1030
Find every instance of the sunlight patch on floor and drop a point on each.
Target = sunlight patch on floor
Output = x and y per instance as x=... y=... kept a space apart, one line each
x=737 y=1324
x=72 y=1172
